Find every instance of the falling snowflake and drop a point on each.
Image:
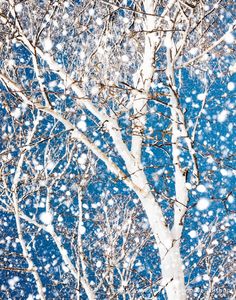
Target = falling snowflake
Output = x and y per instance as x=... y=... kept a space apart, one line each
x=222 y=116
x=47 y=44
x=231 y=86
x=203 y=204
x=46 y=218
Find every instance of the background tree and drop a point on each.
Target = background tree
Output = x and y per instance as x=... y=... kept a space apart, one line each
x=116 y=151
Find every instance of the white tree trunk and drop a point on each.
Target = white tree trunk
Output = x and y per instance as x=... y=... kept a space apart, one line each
x=172 y=272
x=169 y=248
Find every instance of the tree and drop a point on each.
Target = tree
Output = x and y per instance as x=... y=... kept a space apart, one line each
x=106 y=105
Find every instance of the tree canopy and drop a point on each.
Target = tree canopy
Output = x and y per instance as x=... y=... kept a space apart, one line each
x=117 y=153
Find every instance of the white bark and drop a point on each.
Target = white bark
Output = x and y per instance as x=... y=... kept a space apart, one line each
x=181 y=193
x=169 y=244
x=81 y=272
x=31 y=267
x=169 y=248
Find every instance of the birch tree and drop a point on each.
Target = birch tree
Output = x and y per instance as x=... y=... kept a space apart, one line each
x=124 y=109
